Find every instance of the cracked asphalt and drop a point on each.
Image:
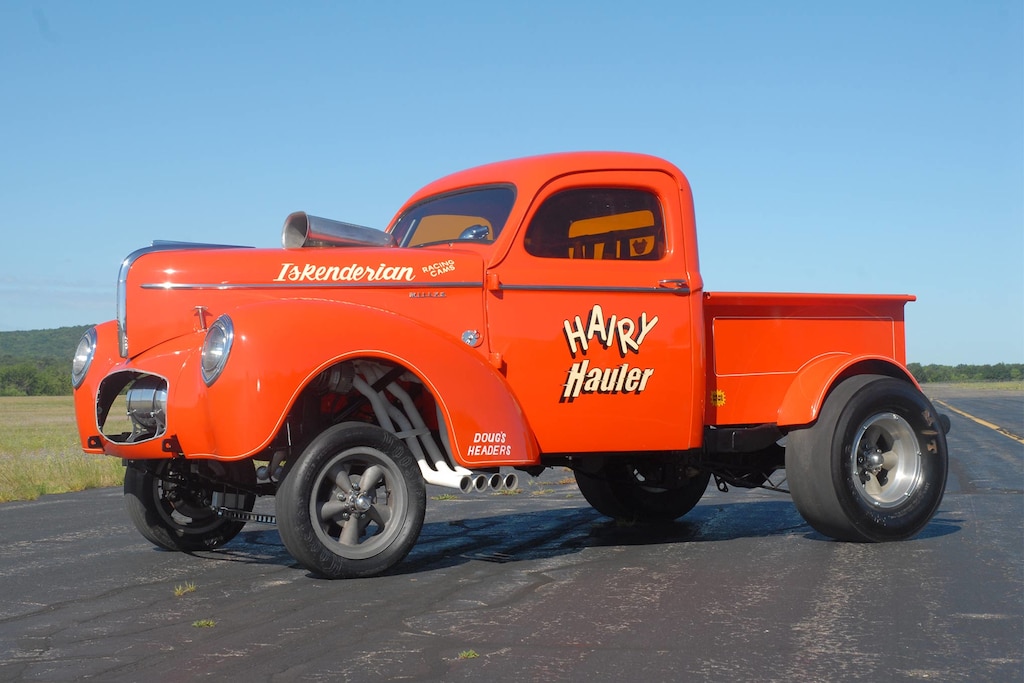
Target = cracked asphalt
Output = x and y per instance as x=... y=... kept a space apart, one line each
x=537 y=586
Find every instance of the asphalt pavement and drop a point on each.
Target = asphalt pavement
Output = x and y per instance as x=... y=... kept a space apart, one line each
x=537 y=586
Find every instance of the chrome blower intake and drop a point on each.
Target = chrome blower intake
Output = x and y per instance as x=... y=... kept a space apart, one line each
x=302 y=230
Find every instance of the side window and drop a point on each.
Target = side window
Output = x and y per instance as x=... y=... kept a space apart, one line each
x=598 y=224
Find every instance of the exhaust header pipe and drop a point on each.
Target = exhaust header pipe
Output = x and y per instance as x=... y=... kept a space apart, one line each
x=302 y=230
x=477 y=482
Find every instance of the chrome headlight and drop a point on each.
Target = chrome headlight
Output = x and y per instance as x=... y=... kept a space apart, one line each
x=217 y=348
x=83 y=357
x=146 y=402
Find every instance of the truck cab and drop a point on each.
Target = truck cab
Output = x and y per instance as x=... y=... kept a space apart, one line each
x=593 y=303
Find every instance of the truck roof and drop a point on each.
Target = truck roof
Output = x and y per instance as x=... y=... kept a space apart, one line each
x=529 y=174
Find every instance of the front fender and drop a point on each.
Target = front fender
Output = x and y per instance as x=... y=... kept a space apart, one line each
x=175 y=360
x=279 y=347
x=807 y=393
x=105 y=358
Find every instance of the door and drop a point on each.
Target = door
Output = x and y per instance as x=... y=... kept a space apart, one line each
x=590 y=315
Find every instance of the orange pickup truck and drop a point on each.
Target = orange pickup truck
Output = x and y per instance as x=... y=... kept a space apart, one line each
x=539 y=312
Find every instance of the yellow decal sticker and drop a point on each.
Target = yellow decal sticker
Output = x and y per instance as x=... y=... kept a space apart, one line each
x=717 y=398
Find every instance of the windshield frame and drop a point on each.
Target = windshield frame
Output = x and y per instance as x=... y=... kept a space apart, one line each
x=405 y=226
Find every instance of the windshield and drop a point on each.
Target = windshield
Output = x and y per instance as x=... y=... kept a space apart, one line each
x=476 y=215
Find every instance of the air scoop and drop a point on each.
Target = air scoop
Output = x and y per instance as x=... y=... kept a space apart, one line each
x=302 y=230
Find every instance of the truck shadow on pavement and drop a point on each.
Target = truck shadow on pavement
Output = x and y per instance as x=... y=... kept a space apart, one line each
x=552 y=533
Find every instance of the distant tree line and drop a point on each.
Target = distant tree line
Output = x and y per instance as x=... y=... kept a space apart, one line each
x=38 y=362
x=52 y=376
x=41 y=377
x=967 y=373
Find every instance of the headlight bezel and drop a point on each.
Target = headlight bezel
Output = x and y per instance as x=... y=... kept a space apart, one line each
x=216 y=350
x=82 y=360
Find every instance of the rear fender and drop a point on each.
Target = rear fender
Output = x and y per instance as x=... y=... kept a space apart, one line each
x=280 y=347
x=813 y=382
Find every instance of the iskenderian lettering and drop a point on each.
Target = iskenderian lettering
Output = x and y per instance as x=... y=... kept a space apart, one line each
x=311 y=272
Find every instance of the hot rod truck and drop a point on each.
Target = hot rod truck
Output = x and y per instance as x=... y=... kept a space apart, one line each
x=539 y=312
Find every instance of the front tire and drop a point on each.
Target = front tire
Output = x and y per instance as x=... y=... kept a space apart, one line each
x=353 y=504
x=641 y=491
x=873 y=467
x=170 y=501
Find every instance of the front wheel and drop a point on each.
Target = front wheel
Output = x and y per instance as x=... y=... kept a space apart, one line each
x=171 y=501
x=873 y=467
x=641 y=491
x=353 y=504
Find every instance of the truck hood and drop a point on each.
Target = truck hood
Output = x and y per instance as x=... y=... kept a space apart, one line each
x=169 y=290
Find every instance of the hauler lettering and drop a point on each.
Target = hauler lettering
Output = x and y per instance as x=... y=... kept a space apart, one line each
x=583 y=379
x=627 y=334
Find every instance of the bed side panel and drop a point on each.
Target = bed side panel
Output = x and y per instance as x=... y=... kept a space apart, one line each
x=758 y=344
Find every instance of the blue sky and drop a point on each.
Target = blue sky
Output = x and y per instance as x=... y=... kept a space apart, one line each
x=832 y=146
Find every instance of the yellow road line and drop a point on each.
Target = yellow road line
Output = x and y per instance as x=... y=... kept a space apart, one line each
x=983 y=423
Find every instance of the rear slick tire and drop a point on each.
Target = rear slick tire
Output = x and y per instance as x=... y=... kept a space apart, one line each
x=620 y=490
x=873 y=467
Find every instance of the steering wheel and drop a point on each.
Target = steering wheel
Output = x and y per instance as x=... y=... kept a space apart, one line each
x=475 y=233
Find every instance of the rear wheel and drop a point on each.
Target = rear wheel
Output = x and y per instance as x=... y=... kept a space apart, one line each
x=641 y=491
x=873 y=467
x=170 y=501
x=353 y=504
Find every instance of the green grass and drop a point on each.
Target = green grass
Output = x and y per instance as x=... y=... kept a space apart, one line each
x=40 y=452
x=181 y=590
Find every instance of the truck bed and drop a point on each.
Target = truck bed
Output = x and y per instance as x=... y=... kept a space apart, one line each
x=758 y=343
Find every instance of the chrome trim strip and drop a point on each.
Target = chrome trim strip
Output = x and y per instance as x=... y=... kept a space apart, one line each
x=595 y=288
x=184 y=286
x=122 y=280
x=312 y=285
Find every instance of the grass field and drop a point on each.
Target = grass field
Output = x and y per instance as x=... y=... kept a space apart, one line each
x=40 y=453
x=1008 y=385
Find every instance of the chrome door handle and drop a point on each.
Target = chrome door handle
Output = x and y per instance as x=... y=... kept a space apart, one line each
x=677 y=286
